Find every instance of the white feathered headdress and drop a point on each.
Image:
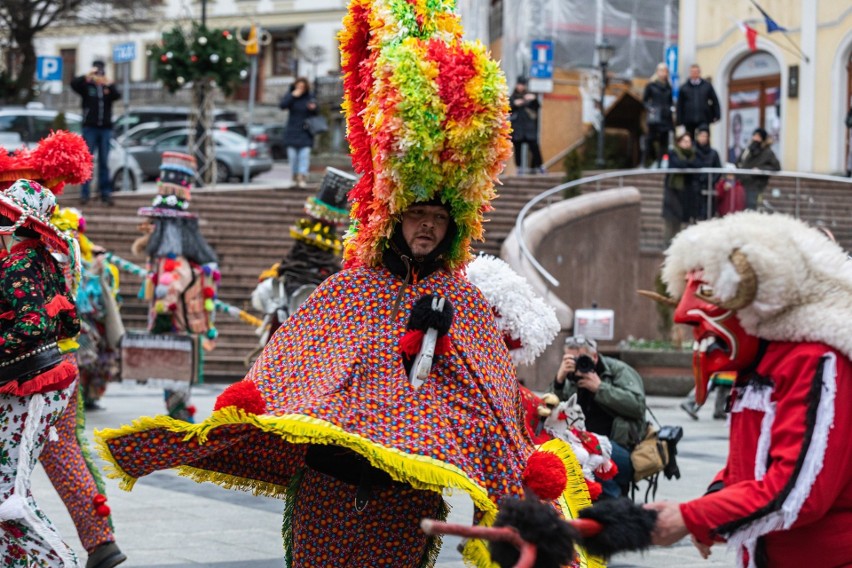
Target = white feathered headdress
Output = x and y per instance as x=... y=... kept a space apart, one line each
x=786 y=280
x=521 y=314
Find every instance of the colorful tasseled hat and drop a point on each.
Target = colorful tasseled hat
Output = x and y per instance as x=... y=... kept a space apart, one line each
x=326 y=212
x=427 y=117
x=174 y=187
x=61 y=157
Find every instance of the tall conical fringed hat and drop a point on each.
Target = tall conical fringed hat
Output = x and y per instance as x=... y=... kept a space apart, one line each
x=427 y=117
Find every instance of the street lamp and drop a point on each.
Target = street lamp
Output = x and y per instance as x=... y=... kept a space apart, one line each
x=604 y=51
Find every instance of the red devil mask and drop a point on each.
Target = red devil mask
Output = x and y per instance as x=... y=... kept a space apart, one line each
x=721 y=343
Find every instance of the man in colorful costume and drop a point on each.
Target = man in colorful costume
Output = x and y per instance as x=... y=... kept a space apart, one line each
x=63 y=157
x=314 y=256
x=183 y=273
x=769 y=298
x=327 y=417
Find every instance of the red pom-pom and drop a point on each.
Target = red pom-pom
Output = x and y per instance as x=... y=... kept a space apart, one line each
x=209 y=292
x=191 y=410
x=608 y=474
x=545 y=475
x=595 y=489
x=411 y=342
x=102 y=510
x=99 y=500
x=172 y=307
x=169 y=265
x=243 y=395
x=62 y=157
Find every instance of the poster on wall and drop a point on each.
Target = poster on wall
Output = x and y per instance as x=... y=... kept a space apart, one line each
x=743 y=118
x=772 y=117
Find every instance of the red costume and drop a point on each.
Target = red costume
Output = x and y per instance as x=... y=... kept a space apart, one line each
x=770 y=298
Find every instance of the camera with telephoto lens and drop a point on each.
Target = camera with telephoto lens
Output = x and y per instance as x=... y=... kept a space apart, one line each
x=584 y=364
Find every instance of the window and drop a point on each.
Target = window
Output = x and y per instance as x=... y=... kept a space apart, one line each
x=284 y=60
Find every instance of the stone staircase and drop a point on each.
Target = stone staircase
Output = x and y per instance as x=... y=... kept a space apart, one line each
x=249 y=229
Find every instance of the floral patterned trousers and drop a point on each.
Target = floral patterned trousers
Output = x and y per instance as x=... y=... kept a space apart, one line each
x=28 y=537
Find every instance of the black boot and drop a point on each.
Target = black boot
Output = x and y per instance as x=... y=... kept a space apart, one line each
x=106 y=555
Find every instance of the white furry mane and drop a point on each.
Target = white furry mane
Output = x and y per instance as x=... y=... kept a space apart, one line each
x=521 y=313
x=804 y=280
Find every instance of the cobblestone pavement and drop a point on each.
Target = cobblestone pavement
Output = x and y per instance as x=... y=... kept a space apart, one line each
x=169 y=521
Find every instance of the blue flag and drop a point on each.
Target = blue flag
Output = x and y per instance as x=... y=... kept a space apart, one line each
x=771 y=25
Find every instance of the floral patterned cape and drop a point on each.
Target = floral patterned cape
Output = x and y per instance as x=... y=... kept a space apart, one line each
x=333 y=374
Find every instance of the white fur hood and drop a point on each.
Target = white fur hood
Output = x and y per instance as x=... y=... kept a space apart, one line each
x=804 y=280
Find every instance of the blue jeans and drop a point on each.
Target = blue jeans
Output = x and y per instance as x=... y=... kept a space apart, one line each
x=98 y=140
x=300 y=160
x=618 y=485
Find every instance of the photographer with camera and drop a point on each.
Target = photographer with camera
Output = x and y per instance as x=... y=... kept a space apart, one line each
x=612 y=397
x=97 y=92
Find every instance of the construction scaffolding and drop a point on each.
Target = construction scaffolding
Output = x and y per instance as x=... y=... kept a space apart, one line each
x=640 y=30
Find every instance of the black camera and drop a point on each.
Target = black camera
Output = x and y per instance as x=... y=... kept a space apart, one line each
x=584 y=364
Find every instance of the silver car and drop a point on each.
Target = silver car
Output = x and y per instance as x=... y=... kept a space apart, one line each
x=21 y=127
x=232 y=152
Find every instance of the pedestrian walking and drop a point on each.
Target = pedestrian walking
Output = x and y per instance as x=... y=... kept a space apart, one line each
x=298 y=139
x=97 y=92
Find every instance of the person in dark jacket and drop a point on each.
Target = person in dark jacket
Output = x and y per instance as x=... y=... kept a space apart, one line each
x=697 y=102
x=525 y=107
x=708 y=158
x=98 y=93
x=680 y=195
x=758 y=156
x=297 y=138
x=612 y=396
x=658 y=106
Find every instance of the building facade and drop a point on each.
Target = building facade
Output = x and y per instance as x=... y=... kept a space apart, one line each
x=796 y=84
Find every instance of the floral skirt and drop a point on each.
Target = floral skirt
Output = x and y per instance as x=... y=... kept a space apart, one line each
x=28 y=538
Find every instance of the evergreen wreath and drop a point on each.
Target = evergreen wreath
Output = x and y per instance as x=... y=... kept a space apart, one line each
x=214 y=55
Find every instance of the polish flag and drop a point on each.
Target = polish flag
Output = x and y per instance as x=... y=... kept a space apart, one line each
x=751 y=35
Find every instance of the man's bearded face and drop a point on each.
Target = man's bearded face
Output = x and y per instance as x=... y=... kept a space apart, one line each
x=424 y=227
x=721 y=343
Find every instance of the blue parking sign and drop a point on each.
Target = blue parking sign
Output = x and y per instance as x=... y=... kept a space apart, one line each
x=124 y=53
x=48 y=68
x=541 y=66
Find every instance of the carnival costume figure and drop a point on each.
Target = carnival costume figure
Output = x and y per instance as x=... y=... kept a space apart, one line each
x=183 y=274
x=333 y=417
x=63 y=157
x=314 y=256
x=770 y=298
x=97 y=307
x=38 y=324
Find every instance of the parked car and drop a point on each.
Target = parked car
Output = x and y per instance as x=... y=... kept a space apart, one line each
x=232 y=151
x=273 y=135
x=149 y=131
x=142 y=115
x=26 y=126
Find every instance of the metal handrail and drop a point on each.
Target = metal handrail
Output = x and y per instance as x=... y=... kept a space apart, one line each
x=519 y=222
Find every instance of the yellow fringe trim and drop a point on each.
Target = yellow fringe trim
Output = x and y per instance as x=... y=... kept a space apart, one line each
x=576 y=495
x=418 y=471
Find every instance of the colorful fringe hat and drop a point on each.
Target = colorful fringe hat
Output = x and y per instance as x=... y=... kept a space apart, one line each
x=326 y=212
x=527 y=322
x=427 y=117
x=62 y=157
x=174 y=187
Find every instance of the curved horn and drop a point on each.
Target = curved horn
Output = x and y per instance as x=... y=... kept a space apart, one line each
x=665 y=300
x=747 y=288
